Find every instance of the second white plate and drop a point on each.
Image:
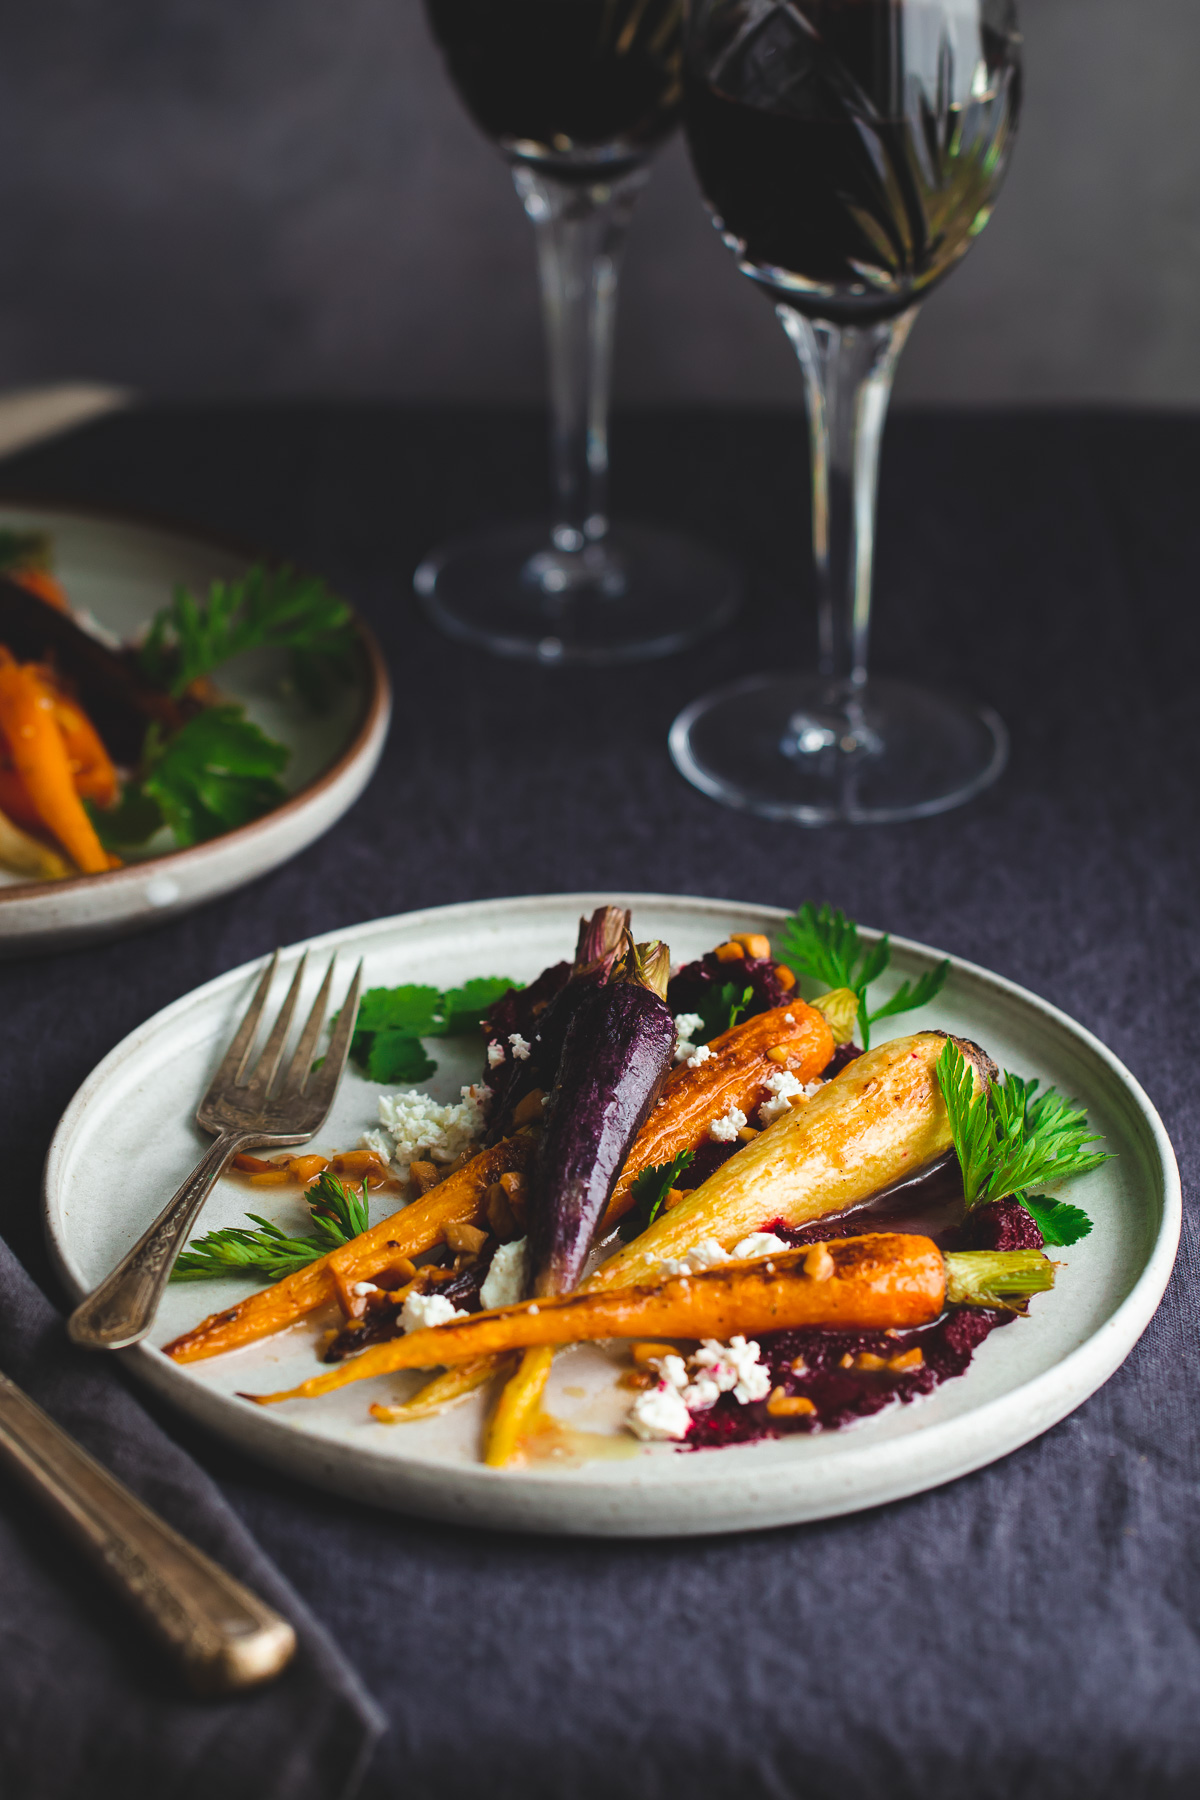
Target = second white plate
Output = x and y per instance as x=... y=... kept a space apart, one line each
x=126 y=1141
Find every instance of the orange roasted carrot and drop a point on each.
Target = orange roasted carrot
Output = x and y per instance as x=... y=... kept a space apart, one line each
x=858 y=1284
x=39 y=756
x=38 y=580
x=460 y=1199
x=887 y=1279
x=91 y=766
x=734 y=1075
x=14 y=796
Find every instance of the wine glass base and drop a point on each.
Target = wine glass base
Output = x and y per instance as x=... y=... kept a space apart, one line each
x=796 y=747
x=637 y=593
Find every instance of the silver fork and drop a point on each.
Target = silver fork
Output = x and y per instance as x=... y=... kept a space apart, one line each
x=246 y=1109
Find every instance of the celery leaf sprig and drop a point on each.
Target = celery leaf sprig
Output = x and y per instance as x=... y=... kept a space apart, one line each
x=338 y=1213
x=825 y=945
x=1010 y=1139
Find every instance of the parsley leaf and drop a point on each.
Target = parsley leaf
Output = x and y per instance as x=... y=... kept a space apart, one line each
x=650 y=1191
x=217 y=772
x=338 y=1214
x=392 y=1021
x=1013 y=1138
x=721 y=1008
x=265 y=607
x=825 y=945
x=1058 y=1223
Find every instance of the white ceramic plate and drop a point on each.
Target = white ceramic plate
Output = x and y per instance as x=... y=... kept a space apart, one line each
x=123 y=571
x=124 y=1144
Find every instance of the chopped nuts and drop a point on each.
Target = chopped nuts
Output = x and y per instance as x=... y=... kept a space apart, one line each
x=754 y=944
x=783 y=1406
x=911 y=1359
x=781 y=1054
x=866 y=1359
x=516 y=1188
x=819 y=1264
x=643 y=1353
x=466 y=1239
x=500 y=1214
x=528 y=1109
x=847 y=1361
x=799 y=1367
x=746 y=1133
x=730 y=952
x=672 y=1197
x=784 y=977
x=638 y=1378
x=424 y=1175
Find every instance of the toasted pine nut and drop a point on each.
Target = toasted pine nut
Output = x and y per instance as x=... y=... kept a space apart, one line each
x=528 y=1109
x=643 y=1353
x=783 y=1406
x=730 y=952
x=784 y=977
x=754 y=944
x=746 y=1133
x=866 y=1359
x=818 y=1264
x=466 y=1238
x=911 y=1359
x=424 y=1175
x=780 y=1053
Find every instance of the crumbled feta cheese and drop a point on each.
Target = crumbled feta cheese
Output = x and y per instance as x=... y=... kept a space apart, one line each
x=789 y=1018
x=534 y=1310
x=495 y=1054
x=729 y=1368
x=783 y=1084
x=783 y=1089
x=420 y=1127
x=520 y=1046
x=723 y=1131
x=658 y=1415
x=700 y=1055
x=364 y=1287
x=423 y=1310
x=673 y=1370
x=379 y=1142
x=707 y=1254
x=687 y=1024
x=507 y=1275
x=759 y=1243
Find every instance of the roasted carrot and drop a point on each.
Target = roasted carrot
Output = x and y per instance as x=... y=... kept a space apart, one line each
x=882 y=1118
x=518 y=1406
x=732 y=1076
x=91 y=766
x=451 y=1385
x=872 y=1283
x=41 y=582
x=462 y=1197
x=25 y=855
x=39 y=756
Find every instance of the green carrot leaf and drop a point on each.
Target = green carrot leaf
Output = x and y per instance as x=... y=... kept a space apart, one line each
x=1058 y=1223
x=650 y=1190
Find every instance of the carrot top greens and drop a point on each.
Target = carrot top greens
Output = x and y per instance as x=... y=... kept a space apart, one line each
x=338 y=1214
x=825 y=945
x=1011 y=1139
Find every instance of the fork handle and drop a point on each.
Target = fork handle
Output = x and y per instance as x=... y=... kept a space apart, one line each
x=224 y=1637
x=121 y=1310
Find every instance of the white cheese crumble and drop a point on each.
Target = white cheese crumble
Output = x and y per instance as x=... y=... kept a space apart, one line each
x=520 y=1046
x=659 y=1414
x=423 y=1310
x=495 y=1054
x=686 y=1024
x=789 y=1018
x=784 y=1088
x=505 y=1281
x=419 y=1127
x=685 y=1049
x=700 y=1055
x=364 y=1287
x=759 y=1243
x=723 y=1131
x=727 y=1368
x=707 y=1254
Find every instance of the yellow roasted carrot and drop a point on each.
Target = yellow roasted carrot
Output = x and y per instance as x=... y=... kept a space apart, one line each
x=517 y=1407
x=882 y=1118
x=451 y=1385
x=886 y=1279
x=460 y=1199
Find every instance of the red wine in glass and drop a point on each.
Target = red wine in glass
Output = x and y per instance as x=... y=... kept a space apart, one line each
x=850 y=152
x=577 y=95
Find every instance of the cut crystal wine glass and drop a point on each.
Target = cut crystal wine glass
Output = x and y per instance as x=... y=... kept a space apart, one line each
x=850 y=152
x=577 y=95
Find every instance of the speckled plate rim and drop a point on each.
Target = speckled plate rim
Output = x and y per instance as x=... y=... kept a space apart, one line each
x=719 y=1491
x=336 y=787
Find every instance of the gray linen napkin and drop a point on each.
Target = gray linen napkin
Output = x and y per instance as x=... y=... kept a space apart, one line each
x=87 y=1706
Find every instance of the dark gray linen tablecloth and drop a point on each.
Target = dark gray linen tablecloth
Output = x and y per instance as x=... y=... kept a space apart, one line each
x=1029 y=1629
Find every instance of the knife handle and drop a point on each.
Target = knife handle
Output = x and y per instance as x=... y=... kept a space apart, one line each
x=223 y=1637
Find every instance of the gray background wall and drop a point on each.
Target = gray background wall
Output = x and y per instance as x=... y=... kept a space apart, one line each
x=283 y=196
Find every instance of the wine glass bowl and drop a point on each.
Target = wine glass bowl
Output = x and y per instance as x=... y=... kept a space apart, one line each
x=577 y=95
x=850 y=152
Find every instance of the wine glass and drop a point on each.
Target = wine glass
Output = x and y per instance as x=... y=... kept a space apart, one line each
x=850 y=152
x=577 y=95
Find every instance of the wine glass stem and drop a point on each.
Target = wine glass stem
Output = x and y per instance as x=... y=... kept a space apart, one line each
x=580 y=228
x=848 y=372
